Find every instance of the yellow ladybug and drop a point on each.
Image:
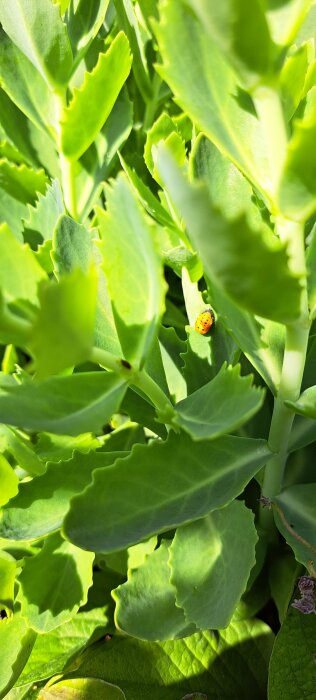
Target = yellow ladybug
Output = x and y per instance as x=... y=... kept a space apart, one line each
x=205 y=321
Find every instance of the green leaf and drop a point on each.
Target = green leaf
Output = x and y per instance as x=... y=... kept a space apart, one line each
x=190 y=665
x=21 y=182
x=128 y=21
x=25 y=85
x=285 y=18
x=20 y=273
x=147 y=198
x=146 y=603
x=9 y=481
x=297 y=504
x=133 y=270
x=64 y=586
x=306 y=404
x=54 y=649
x=21 y=448
x=283 y=574
x=210 y=563
x=84 y=19
x=164 y=129
x=194 y=478
x=243 y=277
x=62 y=335
x=7 y=576
x=41 y=504
x=292 y=79
x=40 y=34
x=311 y=274
x=16 y=642
x=73 y=247
x=297 y=192
x=83 y=689
x=292 y=666
x=92 y=103
x=241 y=32
x=220 y=406
x=68 y=405
x=205 y=87
x=260 y=340
x=42 y=218
x=99 y=160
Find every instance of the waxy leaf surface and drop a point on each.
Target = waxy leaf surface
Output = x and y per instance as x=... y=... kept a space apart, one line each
x=125 y=504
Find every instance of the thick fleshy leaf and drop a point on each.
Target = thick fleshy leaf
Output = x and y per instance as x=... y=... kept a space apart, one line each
x=92 y=103
x=54 y=649
x=293 y=79
x=16 y=642
x=261 y=341
x=41 y=504
x=22 y=449
x=82 y=689
x=73 y=247
x=7 y=576
x=40 y=34
x=292 y=666
x=21 y=182
x=297 y=504
x=297 y=191
x=65 y=573
x=311 y=276
x=128 y=21
x=20 y=272
x=164 y=129
x=9 y=481
x=210 y=563
x=62 y=335
x=97 y=162
x=146 y=603
x=149 y=201
x=69 y=405
x=84 y=19
x=241 y=32
x=306 y=404
x=194 y=478
x=220 y=406
x=133 y=270
x=205 y=87
x=177 y=668
x=285 y=18
x=221 y=243
x=25 y=85
x=42 y=218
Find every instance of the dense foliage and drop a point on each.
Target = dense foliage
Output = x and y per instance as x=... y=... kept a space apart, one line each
x=158 y=492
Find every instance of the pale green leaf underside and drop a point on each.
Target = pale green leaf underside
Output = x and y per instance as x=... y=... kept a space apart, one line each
x=306 y=404
x=16 y=642
x=220 y=406
x=124 y=504
x=20 y=272
x=146 y=603
x=84 y=689
x=67 y=405
x=93 y=102
x=210 y=563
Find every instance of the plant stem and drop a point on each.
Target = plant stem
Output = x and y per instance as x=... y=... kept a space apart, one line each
x=269 y=110
x=67 y=165
x=291 y=376
x=139 y=378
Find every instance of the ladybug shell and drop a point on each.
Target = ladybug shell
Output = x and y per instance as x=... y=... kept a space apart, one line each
x=204 y=321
